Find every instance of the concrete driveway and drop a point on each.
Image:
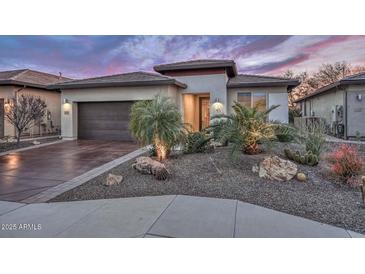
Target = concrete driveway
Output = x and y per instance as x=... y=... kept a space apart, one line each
x=26 y=173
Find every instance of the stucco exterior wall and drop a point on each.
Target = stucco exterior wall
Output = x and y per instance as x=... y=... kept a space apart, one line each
x=274 y=96
x=7 y=92
x=213 y=84
x=52 y=99
x=322 y=104
x=355 y=110
x=109 y=94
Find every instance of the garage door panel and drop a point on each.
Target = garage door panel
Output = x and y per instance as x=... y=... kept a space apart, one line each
x=104 y=121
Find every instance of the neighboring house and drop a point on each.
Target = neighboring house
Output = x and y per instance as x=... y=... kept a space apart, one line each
x=340 y=104
x=98 y=108
x=15 y=82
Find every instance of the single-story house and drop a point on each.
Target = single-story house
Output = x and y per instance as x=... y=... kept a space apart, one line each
x=26 y=81
x=341 y=105
x=98 y=108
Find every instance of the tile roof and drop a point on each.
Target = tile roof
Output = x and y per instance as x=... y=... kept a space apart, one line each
x=248 y=80
x=354 y=79
x=199 y=64
x=29 y=77
x=126 y=79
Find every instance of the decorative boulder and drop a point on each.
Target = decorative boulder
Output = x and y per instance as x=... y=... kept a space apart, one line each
x=113 y=179
x=275 y=168
x=36 y=142
x=146 y=165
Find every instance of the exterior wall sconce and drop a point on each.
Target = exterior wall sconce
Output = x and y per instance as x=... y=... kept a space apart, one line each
x=217 y=106
x=66 y=101
x=359 y=97
x=7 y=105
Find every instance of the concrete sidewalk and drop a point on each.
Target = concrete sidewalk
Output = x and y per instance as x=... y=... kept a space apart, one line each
x=158 y=216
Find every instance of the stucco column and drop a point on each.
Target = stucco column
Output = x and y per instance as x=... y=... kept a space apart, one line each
x=69 y=120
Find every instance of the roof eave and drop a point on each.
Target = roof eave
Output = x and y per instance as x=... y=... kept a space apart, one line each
x=118 y=84
x=319 y=91
x=165 y=68
x=291 y=84
x=20 y=83
x=352 y=82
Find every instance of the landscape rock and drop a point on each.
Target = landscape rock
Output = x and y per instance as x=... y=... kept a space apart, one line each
x=301 y=177
x=255 y=169
x=113 y=179
x=146 y=165
x=36 y=143
x=275 y=168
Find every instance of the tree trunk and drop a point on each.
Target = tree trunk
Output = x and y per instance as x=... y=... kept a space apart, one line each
x=18 y=137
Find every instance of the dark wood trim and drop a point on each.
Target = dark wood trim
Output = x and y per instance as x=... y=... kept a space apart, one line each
x=195 y=72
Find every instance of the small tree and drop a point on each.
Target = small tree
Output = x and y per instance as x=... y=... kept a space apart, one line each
x=23 y=111
x=157 y=122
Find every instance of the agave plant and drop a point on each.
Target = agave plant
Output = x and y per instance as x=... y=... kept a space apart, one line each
x=245 y=129
x=157 y=122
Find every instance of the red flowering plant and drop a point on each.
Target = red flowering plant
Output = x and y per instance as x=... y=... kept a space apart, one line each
x=346 y=163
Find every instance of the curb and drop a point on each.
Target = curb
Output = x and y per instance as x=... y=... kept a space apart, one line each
x=30 y=147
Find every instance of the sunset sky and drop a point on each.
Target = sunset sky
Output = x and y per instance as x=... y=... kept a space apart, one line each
x=88 y=56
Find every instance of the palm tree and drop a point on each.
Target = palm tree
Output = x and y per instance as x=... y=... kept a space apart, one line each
x=245 y=129
x=157 y=122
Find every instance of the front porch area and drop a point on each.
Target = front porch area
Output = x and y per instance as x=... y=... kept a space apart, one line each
x=196 y=109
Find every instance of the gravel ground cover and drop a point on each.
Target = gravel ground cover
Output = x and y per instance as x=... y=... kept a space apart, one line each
x=12 y=145
x=320 y=198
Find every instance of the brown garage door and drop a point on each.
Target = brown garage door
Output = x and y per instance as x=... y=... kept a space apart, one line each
x=104 y=121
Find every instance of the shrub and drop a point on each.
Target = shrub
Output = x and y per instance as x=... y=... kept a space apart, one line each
x=245 y=129
x=346 y=162
x=314 y=139
x=292 y=114
x=157 y=122
x=284 y=132
x=196 y=142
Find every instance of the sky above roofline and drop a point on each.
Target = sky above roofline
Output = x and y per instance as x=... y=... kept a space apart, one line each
x=91 y=56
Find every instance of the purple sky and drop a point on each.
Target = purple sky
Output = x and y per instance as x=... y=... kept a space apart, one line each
x=88 y=56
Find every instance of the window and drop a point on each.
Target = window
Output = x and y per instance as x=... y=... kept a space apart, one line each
x=259 y=100
x=253 y=99
x=244 y=98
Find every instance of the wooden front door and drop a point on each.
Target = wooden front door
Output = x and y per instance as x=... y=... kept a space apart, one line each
x=204 y=112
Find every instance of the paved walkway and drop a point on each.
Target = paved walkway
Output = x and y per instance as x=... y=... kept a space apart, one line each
x=333 y=139
x=158 y=216
x=26 y=173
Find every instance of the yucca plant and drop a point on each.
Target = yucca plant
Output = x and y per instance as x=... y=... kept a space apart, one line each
x=245 y=129
x=157 y=122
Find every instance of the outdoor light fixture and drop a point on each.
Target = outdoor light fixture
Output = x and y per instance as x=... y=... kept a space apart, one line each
x=217 y=106
x=7 y=105
x=66 y=101
x=359 y=97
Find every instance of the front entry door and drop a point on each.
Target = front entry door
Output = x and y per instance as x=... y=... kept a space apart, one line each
x=204 y=112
